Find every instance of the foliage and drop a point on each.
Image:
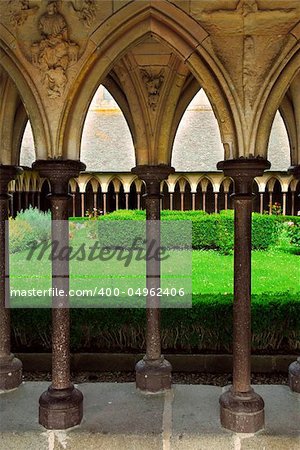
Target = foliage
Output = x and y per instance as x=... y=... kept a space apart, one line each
x=294 y=234
x=29 y=227
x=216 y=231
x=207 y=326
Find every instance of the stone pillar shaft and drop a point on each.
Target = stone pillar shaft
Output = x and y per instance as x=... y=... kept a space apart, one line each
x=242 y=293
x=293 y=203
x=226 y=200
x=171 y=201
x=153 y=373
x=61 y=404
x=82 y=204
x=216 y=202
x=270 y=202
x=126 y=200
x=204 y=201
x=104 y=203
x=242 y=410
x=193 y=201
x=138 y=200
x=294 y=368
x=74 y=204
x=261 y=202
x=10 y=367
x=284 y=203
x=182 y=201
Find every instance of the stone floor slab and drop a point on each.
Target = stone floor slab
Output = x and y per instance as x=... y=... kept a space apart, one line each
x=117 y=417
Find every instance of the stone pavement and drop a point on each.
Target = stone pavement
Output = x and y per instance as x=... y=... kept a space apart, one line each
x=117 y=417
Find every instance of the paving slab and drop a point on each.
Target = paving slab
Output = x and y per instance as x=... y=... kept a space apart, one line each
x=117 y=417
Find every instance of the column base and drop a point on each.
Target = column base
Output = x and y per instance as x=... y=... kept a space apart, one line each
x=153 y=376
x=10 y=372
x=242 y=412
x=294 y=376
x=60 y=408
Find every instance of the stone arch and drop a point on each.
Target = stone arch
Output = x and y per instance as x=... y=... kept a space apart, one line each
x=28 y=93
x=141 y=20
x=273 y=98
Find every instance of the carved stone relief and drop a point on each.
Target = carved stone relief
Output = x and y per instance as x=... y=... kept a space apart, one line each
x=19 y=11
x=54 y=53
x=153 y=83
x=85 y=11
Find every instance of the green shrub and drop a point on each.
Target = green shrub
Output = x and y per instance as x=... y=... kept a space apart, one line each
x=216 y=231
x=207 y=326
x=29 y=227
x=294 y=234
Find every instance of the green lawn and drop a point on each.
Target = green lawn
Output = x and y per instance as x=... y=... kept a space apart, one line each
x=271 y=272
x=212 y=272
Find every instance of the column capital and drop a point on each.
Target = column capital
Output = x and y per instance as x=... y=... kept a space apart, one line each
x=295 y=170
x=7 y=174
x=153 y=173
x=58 y=172
x=243 y=171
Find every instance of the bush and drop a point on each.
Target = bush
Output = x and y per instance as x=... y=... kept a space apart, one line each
x=29 y=227
x=294 y=234
x=216 y=231
x=207 y=326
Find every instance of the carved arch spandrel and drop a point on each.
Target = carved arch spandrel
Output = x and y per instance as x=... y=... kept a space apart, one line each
x=137 y=21
x=275 y=96
x=14 y=68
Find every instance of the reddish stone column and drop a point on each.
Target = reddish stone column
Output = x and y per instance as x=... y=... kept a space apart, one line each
x=104 y=203
x=242 y=410
x=203 y=200
x=294 y=368
x=171 y=201
x=126 y=200
x=293 y=203
x=216 y=195
x=225 y=200
x=10 y=367
x=61 y=404
x=270 y=202
x=153 y=372
x=193 y=201
x=82 y=195
x=182 y=201
x=95 y=200
x=138 y=200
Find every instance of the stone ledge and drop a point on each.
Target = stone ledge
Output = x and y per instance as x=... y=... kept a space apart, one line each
x=125 y=362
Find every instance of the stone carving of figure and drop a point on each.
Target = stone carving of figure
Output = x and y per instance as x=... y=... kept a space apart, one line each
x=85 y=10
x=52 y=24
x=54 y=53
x=153 y=84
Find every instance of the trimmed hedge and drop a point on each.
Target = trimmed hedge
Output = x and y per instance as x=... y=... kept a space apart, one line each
x=206 y=327
x=213 y=231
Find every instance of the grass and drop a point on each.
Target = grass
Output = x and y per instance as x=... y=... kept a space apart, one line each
x=272 y=271
x=212 y=273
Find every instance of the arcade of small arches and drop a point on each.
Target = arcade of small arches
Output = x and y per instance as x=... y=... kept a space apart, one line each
x=108 y=192
x=152 y=56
